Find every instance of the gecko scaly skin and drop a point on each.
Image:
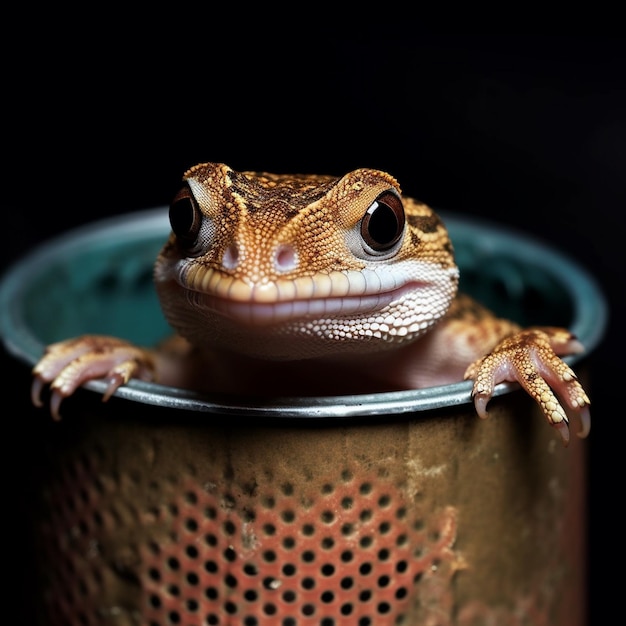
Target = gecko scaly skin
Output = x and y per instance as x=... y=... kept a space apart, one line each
x=311 y=284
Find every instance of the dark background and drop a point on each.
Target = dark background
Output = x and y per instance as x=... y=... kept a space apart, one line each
x=527 y=130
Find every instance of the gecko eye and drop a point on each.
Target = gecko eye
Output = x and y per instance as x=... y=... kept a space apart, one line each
x=383 y=223
x=185 y=218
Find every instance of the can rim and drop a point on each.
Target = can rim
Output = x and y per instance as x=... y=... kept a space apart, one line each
x=588 y=324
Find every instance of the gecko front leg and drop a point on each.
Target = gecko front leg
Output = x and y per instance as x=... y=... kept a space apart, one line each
x=66 y=365
x=530 y=357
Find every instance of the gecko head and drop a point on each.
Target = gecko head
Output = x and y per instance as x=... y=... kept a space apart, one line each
x=302 y=264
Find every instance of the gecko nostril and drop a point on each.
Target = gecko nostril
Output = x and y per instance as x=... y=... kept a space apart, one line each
x=286 y=258
x=230 y=259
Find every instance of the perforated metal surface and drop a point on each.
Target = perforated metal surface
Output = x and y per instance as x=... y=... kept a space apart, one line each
x=347 y=556
x=438 y=522
x=342 y=549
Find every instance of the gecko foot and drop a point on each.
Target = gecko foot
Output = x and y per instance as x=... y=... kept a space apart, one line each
x=68 y=364
x=530 y=357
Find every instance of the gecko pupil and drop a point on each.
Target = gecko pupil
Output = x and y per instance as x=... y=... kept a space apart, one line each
x=383 y=224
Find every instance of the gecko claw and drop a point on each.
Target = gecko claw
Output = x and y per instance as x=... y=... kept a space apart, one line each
x=480 y=404
x=563 y=430
x=585 y=422
x=35 y=392
x=115 y=381
x=56 y=397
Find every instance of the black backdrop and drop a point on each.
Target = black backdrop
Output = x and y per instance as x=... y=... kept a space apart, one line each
x=528 y=130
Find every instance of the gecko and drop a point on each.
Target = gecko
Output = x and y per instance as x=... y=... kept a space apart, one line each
x=305 y=284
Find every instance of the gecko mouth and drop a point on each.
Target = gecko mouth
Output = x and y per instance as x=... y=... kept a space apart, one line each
x=273 y=313
x=376 y=293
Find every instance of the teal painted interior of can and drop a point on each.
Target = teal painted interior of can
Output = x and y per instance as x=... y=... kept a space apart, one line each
x=98 y=279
